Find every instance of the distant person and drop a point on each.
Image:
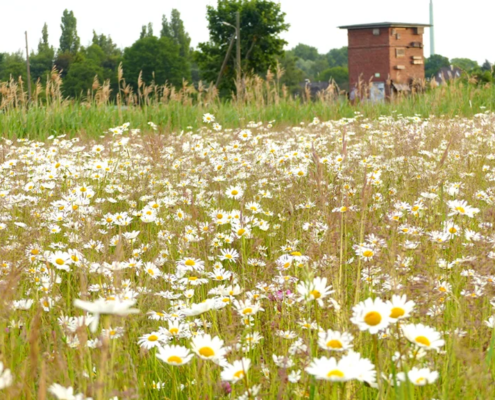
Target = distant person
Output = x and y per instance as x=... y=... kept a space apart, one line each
x=353 y=95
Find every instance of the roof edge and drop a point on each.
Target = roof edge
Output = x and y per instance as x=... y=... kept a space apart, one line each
x=385 y=25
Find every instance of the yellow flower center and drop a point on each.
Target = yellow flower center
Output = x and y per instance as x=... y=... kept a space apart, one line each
x=234 y=192
x=239 y=374
x=247 y=310
x=193 y=278
x=460 y=209
x=335 y=372
x=423 y=340
x=368 y=253
x=59 y=261
x=174 y=360
x=206 y=351
x=34 y=252
x=152 y=338
x=190 y=263
x=315 y=293
x=296 y=253
x=334 y=344
x=397 y=312
x=373 y=318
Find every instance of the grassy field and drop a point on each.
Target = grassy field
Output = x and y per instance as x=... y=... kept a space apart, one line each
x=343 y=259
x=174 y=110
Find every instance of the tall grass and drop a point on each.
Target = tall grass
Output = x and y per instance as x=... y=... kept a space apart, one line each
x=174 y=110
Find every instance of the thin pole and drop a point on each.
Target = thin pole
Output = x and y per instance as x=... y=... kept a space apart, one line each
x=432 y=30
x=28 y=69
x=231 y=44
x=239 y=72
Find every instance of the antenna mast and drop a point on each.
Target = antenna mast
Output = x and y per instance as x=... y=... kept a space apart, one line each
x=432 y=30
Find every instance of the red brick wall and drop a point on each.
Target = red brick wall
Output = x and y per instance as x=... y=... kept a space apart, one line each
x=412 y=71
x=370 y=54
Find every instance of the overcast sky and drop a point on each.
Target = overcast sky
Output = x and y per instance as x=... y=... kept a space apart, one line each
x=461 y=31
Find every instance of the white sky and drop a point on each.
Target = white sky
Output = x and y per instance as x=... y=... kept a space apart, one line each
x=462 y=30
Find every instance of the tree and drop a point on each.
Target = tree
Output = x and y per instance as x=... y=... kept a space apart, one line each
x=487 y=66
x=339 y=74
x=464 y=63
x=338 y=57
x=175 y=31
x=306 y=66
x=41 y=62
x=165 y=31
x=63 y=61
x=69 y=41
x=179 y=34
x=320 y=65
x=305 y=52
x=293 y=76
x=434 y=63
x=146 y=31
x=12 y=66
x=261 y=22
x=43 y=44
x=158 y=59
x=80 y=77
x=105 y=53
x=106 y=44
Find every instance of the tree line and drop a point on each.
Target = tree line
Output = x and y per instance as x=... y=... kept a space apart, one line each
x=165 y=55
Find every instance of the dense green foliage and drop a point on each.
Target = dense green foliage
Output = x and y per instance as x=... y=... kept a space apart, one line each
x=434 y=63
x=41 y=62
x=317 y=67
x=157 y=59
x=261 y=23
x=12 y=66
x=69 y=40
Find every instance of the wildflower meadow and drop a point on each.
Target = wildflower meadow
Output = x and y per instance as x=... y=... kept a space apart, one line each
x=343 y=259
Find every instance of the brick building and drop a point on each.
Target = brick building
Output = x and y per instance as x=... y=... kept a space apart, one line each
x=389 y=55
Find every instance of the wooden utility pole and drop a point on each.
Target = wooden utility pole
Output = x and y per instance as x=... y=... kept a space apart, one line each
x=238 y=48
x=225 y=60
x=28 y=69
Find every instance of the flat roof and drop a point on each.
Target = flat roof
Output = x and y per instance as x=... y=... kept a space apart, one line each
x=384 y=25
